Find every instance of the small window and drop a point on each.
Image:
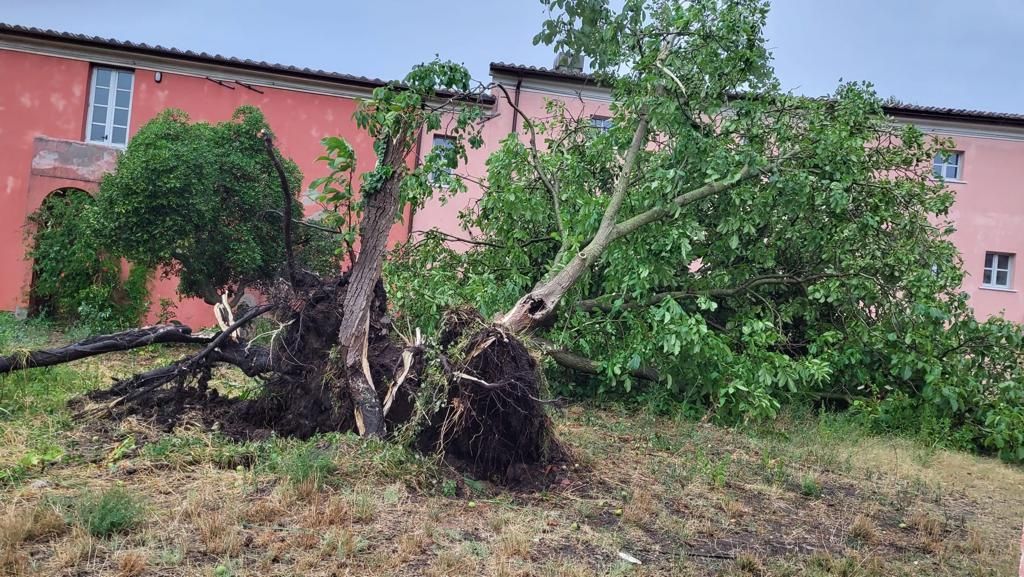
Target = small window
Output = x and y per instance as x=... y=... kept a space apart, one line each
x=602 y=123
x=947 y=166
x=998 y=270
x=444 y=141
x=110 y=104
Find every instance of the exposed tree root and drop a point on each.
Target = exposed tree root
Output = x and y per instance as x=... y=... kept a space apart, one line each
x=488 y=415
x=490 y=418
x=495 y=421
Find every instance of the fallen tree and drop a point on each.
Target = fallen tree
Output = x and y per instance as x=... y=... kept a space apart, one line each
x=334 y=362
x=725 y=246
x=123 y=341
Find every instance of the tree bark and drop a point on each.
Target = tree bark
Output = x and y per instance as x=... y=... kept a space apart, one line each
x=98 y=345
x=381 y=209
x=540 y=303
x=286 y=201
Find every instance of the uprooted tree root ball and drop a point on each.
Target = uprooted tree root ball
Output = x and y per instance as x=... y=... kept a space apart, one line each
x=477 y=398
x=494 y=421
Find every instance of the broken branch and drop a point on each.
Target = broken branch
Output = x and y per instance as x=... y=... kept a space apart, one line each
x=98 y=345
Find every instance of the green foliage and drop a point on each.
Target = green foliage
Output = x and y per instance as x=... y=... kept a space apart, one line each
x=107 y=513
x=829 y=274
x=201 y=200
x=74 y=277
x=394 y=116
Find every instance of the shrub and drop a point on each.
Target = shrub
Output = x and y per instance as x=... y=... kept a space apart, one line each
x=202 y=201
x=74 y=278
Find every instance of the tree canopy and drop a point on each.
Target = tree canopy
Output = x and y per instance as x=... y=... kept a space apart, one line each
x=727 y=245
x=201 y=200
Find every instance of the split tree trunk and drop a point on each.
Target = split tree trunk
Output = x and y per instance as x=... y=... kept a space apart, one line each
x=379 y=213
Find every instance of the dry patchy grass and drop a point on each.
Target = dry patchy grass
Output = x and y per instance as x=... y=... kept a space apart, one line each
x=807 y=498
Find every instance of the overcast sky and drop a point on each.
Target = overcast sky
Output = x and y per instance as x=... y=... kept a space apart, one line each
x=955 y=53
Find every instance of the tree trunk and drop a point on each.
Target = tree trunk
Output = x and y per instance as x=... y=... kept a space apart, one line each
x=537 y=306
x=381 y=207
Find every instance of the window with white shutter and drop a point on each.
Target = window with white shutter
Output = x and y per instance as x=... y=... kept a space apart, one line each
x=110 y=105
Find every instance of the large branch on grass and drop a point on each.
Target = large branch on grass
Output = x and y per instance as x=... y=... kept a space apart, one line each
x=252 y=360
x=219 y=349
x=98 y=345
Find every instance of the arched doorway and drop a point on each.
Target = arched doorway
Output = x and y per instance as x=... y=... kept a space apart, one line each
x=59 y=256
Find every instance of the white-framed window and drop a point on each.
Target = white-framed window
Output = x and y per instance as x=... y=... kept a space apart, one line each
x=998 y=270
x=444 y=141
x=602 y=123
x=948 y=166
x=110 y=105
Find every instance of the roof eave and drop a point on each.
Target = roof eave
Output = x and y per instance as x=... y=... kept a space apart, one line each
x=950 y=116
x=215 y=60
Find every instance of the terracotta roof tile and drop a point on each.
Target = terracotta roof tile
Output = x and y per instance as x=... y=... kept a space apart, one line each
x=201 y=57
x=894 y=109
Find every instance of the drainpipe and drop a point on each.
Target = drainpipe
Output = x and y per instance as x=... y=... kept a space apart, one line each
x=515 y=111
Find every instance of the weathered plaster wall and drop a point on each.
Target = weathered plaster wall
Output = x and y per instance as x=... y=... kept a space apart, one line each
x=47 y=96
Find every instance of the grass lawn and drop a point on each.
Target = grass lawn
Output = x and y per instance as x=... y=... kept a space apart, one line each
x=809 y=496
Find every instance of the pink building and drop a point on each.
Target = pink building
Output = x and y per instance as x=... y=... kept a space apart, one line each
x=69 y=103
x=989 y=209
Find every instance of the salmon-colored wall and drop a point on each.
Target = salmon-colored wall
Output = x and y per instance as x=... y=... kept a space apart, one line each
x=35 y=92
x=988 y=213
x=445 y=216
x=48 y=96
x=989 y=217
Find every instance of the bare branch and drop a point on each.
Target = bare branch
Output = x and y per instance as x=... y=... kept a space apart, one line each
x=98 y=345
x=286 y=194
x=453 y=238
x=305 y=223
x=141 y=384
x=579 y=363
